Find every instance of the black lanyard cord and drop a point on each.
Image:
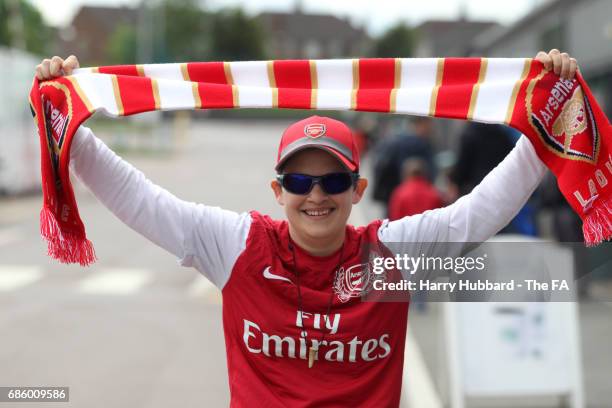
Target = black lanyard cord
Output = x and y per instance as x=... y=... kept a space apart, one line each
x=300 y=305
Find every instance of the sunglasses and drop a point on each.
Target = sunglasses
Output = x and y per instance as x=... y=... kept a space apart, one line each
x=332 y=183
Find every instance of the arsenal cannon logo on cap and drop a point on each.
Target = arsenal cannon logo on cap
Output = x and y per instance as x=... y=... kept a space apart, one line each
x=314 y=130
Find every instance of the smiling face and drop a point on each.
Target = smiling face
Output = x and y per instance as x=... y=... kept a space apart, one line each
x=317 y=220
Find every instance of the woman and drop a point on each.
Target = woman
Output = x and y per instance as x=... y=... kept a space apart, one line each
x=296 y=330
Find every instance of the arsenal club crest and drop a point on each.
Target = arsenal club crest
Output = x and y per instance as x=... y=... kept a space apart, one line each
x=353 y=282
x=314 y=130
x=56 y=116
x=563 y=118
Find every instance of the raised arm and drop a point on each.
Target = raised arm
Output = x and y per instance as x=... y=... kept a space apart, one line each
x=492 y=204
x=207 y=238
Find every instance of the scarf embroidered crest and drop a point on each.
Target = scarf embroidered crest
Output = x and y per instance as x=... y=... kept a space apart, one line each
x=568 y=129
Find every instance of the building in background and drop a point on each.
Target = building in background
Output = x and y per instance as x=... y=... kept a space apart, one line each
x=297 y=35
x=89 y=33
x=292 y=35
x=583 y=28
x=449 y=38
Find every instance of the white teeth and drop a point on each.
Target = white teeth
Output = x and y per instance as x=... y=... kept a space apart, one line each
x=317 y=212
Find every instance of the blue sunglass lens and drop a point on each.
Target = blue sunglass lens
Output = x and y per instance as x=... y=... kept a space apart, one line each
x=334 y=183
x=297 y=183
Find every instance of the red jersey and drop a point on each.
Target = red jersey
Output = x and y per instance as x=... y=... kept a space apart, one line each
x=413 y=196
x=360 y=360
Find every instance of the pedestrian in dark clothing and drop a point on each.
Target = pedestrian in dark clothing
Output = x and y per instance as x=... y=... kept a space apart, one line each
x=482 y=147
x=390 y=154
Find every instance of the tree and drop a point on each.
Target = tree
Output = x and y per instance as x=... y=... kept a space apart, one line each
x=121 y=48
x=185 y=32
x=21 y=25
x=236 y=36
x=180 y=30
x=398 y=41
x=176 y=31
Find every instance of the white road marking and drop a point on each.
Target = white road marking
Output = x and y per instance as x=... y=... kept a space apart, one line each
x=116 y=281
x=417 y=387
x=10 y=235
x=16 y=276
x=200 y=287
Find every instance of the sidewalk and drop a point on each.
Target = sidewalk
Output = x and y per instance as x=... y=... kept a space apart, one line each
x=427 y=332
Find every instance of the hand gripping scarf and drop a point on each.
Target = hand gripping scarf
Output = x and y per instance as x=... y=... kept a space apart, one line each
x=568 y=129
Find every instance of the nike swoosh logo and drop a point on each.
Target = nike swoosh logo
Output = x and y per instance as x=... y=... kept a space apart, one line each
x=269 y=275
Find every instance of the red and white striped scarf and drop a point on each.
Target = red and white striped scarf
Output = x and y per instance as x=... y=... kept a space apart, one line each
x=568 y=129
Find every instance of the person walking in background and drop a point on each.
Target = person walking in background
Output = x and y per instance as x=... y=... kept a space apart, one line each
x=481 y=149
x=416 y=194
x=390 y=154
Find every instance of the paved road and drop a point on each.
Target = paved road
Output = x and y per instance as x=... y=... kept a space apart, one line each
x=136 y=330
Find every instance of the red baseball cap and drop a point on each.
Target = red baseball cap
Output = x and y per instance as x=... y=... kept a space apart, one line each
x=319 y=132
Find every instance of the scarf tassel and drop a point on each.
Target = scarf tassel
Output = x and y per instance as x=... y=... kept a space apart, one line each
x=65 y=246
x=597 y=224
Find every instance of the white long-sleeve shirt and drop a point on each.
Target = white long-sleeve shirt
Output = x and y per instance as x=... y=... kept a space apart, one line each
x=211 y=239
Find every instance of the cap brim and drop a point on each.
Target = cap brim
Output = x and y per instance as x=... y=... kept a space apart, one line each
x=343 y=160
